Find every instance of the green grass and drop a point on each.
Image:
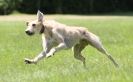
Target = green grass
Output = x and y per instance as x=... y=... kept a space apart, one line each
x=115 y=33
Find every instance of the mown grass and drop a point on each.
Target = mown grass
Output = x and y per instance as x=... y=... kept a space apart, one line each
x=117 y=37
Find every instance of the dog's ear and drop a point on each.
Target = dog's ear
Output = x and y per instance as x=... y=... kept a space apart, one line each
x=39 y=16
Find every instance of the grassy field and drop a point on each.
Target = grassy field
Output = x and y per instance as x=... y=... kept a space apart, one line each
x=116 y=32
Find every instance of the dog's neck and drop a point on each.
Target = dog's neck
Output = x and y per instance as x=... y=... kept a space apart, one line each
x=46 y=29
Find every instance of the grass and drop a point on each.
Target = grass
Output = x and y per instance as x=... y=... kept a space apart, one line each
x=115 y=32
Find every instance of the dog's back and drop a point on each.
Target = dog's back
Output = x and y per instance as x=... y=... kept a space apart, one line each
x=70 y=34
x=64 y=29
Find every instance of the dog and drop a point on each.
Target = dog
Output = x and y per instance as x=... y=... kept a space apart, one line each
x=57 y=36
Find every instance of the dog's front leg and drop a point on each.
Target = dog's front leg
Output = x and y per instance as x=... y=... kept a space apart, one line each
x=47 y=47
x=36 y=59
x=55 y=49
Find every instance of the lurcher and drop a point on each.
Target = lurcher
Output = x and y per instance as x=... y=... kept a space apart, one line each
x=57 y=36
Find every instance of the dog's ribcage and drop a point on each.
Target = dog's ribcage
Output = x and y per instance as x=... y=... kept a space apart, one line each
x=62 y=33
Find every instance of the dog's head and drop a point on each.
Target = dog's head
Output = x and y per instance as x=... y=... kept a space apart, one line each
x=35 y=26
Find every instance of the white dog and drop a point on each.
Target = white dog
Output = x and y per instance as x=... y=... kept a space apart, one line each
x=57 y=36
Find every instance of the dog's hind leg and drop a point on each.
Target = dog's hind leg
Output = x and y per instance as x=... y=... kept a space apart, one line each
x=77 y=51
x=94 y=41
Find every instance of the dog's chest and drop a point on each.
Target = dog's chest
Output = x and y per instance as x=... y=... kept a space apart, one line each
x=52 y=40
x=70 y=41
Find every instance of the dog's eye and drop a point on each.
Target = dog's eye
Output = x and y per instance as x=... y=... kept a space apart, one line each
x=33 y=24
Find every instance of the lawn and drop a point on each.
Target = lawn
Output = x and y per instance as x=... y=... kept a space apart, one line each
x=116 y=33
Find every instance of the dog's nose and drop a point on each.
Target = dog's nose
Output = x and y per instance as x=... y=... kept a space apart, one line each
x=28 y=32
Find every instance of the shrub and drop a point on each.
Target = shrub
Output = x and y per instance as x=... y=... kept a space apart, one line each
x=7 y=6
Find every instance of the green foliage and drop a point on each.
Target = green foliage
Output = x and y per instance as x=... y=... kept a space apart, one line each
x=28 y=6
x=66 y=6
x=75 y=6
x=7 y=6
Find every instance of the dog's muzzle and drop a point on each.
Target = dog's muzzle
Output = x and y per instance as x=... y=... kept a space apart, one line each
x=29 y=33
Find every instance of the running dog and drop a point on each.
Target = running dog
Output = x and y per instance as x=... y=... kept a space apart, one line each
x=57 y=36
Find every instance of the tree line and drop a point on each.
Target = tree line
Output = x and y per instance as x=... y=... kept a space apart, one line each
x=65 y=6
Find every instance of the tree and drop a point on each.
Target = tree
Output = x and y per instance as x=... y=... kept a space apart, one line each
x=66 y=6
x=7 y=6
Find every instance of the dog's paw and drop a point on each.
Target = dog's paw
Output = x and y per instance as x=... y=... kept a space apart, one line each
x=49 y=55
x=29 y=61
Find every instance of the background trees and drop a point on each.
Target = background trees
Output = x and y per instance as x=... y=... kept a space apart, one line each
x=66 y=6
x=7 y=6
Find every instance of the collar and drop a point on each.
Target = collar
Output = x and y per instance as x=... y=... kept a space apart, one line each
x=42 y=29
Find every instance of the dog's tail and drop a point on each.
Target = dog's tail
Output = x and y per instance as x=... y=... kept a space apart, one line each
x=94 y=41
